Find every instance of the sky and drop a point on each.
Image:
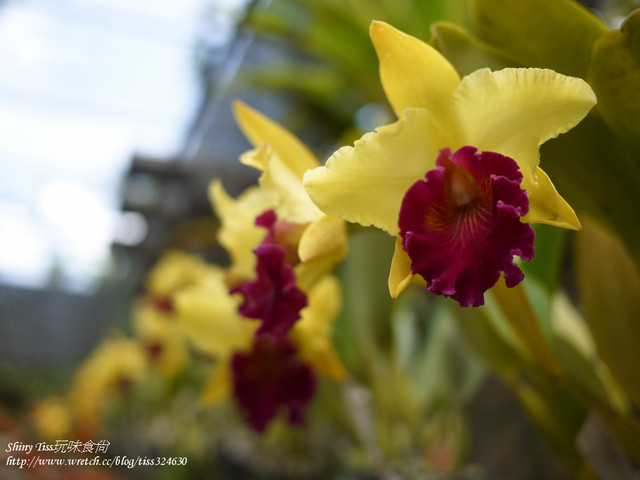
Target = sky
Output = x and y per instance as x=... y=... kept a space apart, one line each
x=85 y=84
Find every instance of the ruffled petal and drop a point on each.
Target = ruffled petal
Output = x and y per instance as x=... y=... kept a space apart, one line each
x=365 y=183
x=274 y=296
x=271 y=377
x=515 y=110
x=211 y=321
x=459 y=243
x=400 y=275
x=413 y=74
x=547 y=206
x=284 y=188
x=259 y=129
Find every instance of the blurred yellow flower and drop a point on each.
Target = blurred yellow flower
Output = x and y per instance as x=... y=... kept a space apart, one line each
x=111 y=369
x=52 y=419
x=283 y=160
x=175 y=269
x=162 y=337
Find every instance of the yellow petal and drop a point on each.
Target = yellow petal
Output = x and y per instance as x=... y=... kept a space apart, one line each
x=313 y=332
x=322 y=246
x=238 y=232
x=515 y=110
x=308 y=273
x=325 y=235
x=257 y=157
x=174 y=270
x=211 y=321
x=259 y=129
x=218 y=386
x=284 y=188
x=365 y=183
x=400 y=275
x=547 y=206
x=413 y=74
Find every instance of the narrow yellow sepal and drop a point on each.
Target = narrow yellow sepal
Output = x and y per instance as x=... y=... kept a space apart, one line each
x=400 y=275
x=413 y=73
x=547 y=206
x=260 y=129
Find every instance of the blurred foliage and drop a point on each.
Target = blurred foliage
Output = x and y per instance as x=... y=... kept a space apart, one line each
x=332 y=70
x=564 y=341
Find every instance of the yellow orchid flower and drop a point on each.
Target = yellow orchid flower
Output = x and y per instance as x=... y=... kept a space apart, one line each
x=281 y=247
x=110 y=370
x=162 y=337
x=279 y=241
x=283 y=160
x=210 y=317
x=279 y=371
x=457 y=177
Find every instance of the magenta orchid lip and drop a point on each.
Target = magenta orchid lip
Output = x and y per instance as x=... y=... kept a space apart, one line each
x=271 y=377
x=273 y=296
x=461 y=225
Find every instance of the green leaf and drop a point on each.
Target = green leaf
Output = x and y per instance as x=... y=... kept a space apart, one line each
x=367 y=302
x=614 y=74
x=556 y=34
x=530 y=327
x=465 y=52
x=575 y=349
x=545 y=266
x=609 y=287
x=598 y=177
x=485 y=331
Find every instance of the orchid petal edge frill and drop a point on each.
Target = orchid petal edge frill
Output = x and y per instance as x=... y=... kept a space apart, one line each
x=461 y=225
x=365 y=183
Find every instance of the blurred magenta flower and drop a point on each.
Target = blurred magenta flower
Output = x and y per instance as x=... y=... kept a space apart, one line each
x=271 y=377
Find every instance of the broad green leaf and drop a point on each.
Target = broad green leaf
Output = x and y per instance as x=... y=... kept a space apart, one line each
x=598 y=177
x=576 y=352
x=609 y=287
x=614 y=74
x=545 y=266
x=367 y=304
x=556 y=34
x=465 y=52
x=526 y=324
x=484 y=330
